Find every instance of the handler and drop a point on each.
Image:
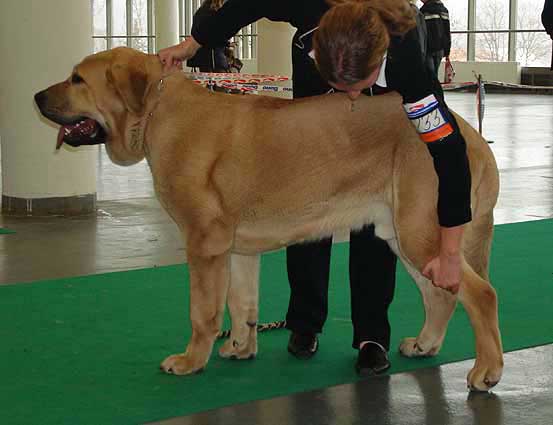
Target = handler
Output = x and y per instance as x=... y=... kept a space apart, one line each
x=209 y=58
x=359 y=43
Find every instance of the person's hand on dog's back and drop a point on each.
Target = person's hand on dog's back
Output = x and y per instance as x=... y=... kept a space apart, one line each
x=171 y=58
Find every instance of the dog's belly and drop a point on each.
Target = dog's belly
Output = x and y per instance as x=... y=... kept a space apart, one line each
x=317 y=222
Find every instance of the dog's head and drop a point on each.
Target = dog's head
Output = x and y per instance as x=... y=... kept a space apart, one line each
x=102 y=101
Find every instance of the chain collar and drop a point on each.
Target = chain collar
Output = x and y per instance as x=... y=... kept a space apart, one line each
x=149 y=115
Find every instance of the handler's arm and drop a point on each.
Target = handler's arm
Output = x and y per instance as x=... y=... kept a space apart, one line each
x=448 y=150
x=219 y=27
x=236 y=14
x=437 y=127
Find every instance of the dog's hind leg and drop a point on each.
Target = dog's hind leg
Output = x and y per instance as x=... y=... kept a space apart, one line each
x=438 y=307
x=478 y=242
x=480 y=302
x=242 y=302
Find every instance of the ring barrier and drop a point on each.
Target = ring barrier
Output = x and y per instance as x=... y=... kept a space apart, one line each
x=255 y=83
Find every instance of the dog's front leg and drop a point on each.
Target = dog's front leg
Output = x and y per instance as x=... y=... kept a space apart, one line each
x=209 y=281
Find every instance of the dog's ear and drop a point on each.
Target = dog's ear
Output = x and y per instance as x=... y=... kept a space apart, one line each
x=130 y=82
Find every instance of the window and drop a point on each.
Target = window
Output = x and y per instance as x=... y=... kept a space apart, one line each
x=123 y=23
x=489 y=37
x=492 y=15
x=245 y=40
x=532 y=44
x=458 y=15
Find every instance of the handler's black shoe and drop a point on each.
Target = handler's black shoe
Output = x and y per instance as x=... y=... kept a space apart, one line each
x=303 y=345
x=372 y=360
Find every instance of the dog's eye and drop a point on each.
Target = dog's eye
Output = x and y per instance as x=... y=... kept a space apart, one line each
x=76 y=79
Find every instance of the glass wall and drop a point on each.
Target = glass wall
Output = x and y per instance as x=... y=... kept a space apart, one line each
x=123 y=23
x=533 y=47
x=458 y=15
x=498 y=30
x=492 y=16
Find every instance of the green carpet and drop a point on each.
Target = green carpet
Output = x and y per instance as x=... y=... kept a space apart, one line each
x=4 y=231
x=86 y=350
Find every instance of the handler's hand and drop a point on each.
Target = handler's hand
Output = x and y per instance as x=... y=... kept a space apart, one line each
x=445 y=272
x=172 y=57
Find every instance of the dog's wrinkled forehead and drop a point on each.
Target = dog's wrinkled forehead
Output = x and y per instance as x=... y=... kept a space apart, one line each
x=94 y=65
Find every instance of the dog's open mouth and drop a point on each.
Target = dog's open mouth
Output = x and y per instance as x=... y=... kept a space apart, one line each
x=85 y=132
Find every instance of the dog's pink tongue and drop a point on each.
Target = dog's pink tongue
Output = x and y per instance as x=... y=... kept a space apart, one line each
x=64 y=129
x=73 y=132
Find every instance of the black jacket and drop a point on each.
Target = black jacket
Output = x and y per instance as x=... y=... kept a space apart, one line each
x=547 y=17
x=406 y=73
x=436 y=16
x=422 y=32
x=211 y=56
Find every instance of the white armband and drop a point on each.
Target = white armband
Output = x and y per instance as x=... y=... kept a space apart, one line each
x=429 y=120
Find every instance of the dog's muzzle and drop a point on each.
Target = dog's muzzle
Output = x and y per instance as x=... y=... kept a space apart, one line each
x=75 y=131
x=85 y=132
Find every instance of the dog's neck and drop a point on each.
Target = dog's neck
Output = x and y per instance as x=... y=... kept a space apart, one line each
x=152 y=97
x=154 y=70
x=137 y=123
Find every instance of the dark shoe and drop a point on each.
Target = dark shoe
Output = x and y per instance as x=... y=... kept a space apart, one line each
x=372 y=359
x=303 y=345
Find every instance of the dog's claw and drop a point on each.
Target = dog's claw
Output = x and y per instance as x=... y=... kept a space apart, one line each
x=180 y=364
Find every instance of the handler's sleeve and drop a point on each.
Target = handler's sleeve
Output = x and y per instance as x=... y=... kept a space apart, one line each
x=547 y=17
x=418 y=86
x=236 y=14
x=447 y=35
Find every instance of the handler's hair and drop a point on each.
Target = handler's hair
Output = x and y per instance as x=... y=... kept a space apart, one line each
x=354 y=35
x=215 y=4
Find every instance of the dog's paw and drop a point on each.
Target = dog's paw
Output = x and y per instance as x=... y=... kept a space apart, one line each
x=180 y=364
x=232 y=349
x=410 y=347
x=483 y=377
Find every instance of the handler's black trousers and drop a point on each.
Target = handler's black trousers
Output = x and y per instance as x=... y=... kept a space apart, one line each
x=434 y=61
x=372 y=270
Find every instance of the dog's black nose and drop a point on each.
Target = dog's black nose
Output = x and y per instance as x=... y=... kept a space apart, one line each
x=40 y=98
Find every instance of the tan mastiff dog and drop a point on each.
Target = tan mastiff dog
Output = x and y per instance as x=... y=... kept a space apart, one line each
x=241 y=175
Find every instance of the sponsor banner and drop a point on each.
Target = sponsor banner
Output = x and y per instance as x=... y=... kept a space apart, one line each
x=456 y=86
x=246 y=87
x=235 y=77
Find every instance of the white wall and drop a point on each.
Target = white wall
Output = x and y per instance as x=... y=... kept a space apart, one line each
x=250 y=66
x=507 y=72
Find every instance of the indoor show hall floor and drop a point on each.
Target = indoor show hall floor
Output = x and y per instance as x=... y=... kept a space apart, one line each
x=131 y=231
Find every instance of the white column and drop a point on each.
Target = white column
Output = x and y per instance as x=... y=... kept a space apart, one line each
x=274 y=48
x=471 y=26
x=40 y=42
x=513 y=23
x=167 y=23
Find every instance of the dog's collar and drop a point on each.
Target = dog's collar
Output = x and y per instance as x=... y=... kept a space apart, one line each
x=150 y=113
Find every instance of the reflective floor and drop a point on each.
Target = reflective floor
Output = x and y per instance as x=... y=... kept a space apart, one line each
x=433 y=396
x=131 y=231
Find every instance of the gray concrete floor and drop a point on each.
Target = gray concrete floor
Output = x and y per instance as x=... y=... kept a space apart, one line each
x=131 y=231
x=432 y=396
